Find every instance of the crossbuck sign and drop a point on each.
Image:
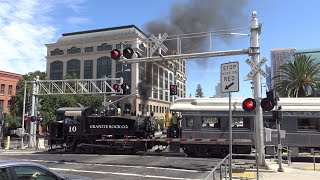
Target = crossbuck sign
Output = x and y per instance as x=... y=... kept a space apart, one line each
x=158 y=43
x=256 y=68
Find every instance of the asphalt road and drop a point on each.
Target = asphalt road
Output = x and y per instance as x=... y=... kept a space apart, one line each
x=122 y=167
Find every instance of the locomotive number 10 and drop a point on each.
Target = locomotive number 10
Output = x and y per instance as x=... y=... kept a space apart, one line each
x=72 y=129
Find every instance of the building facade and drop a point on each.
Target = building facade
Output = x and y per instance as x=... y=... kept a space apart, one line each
x=8 y=86
x=278 y=58
x=86 y=55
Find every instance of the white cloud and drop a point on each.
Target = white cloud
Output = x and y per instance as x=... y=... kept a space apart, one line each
x=25 y=29
x=75 y=21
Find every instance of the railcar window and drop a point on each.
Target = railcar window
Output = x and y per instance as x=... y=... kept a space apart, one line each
x=308 y=124
x=210 y=122
x=270 y=123
x=189 y=122
x=243 y=123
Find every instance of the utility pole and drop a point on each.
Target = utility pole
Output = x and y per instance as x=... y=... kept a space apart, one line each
x=258 y=118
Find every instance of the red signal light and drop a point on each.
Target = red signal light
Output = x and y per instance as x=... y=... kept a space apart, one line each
x=267 y=104
x=115 y=54
x=116 y=87
x=249 y=104
x=123 y=86
x=128 y=53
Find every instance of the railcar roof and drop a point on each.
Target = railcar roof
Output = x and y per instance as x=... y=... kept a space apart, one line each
x=222 y=104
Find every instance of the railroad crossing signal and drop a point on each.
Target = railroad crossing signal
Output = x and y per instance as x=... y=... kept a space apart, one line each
x=158 y=43
x=124 y=88
x=127 y=53
x=256 y=68
x=173 y=90
x=249 y=104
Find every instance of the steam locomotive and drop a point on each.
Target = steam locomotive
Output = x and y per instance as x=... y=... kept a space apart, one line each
x=87 y=130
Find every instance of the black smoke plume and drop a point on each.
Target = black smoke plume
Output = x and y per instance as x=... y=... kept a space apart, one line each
x=144 y=86
x=197 y=16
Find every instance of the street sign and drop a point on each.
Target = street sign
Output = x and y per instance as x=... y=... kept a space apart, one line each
x=256 y=68
x=158 y=43
x=229 y=77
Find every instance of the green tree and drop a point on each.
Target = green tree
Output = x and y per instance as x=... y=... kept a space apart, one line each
x=199 y=92
x=299 y=78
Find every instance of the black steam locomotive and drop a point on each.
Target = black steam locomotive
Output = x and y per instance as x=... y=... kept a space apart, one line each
x=89 y=130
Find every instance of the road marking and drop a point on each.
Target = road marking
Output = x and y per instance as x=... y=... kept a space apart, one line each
x=121 y=174
x=114 y=165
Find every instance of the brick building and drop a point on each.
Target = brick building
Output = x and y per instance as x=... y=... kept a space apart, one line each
x=8 y=83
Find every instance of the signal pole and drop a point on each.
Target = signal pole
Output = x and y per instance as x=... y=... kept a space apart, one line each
x=258 y=118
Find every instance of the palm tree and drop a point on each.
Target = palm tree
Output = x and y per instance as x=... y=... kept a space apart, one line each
x=297 y=78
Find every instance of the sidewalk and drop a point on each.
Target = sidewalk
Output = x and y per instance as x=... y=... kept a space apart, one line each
x=297 y=171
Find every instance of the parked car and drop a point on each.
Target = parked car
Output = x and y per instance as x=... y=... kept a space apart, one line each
x=22 y=170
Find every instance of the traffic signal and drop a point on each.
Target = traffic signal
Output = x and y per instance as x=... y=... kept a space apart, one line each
x=268 y=103
x=173 y=90
x=249 y=104
x=127 y=53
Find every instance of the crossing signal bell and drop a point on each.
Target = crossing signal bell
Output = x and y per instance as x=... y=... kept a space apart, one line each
x=127 y=53
x=249 y=104
x=173 y=90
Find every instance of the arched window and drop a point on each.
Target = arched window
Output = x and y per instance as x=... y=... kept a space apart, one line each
x=104 y=66
x=141 y=70
x=73 y=50
x=73 y=67
x=104 y=47
x=56 y=70
x=56 y=51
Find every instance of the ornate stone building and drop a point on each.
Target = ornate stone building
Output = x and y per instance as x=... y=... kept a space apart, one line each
x=86 y=54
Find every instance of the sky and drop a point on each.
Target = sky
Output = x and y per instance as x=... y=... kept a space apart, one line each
x=27 y=25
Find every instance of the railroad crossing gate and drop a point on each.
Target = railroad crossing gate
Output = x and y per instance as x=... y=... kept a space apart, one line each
x=229 y=77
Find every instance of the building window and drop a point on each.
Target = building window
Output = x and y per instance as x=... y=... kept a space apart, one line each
x=127 y=45
x=73 y=50
x=57 y=51
x=166 y=96
x=104 y=67
x=1 y=104
x=10 y=90
x=88 y=69
x=2 y=89
x=189 y=122
x=10 y=104
x=88 y=49
x=141 y=70
x=155 y=81
x=104 y=47
x=73 y=68
x=210 y=122
x=151 y=108
x=56 y=70
x=140 y=108
x=308 y=124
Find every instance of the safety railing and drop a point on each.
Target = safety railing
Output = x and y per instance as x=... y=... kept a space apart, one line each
x=288 y=156
x=220 y=169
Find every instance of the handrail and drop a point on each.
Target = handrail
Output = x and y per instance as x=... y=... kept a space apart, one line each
x=211 y=174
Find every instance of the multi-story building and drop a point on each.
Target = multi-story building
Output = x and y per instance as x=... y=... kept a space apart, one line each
x=268 y=79
x=8 y=84
x=278 y=58
x=86 y=54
